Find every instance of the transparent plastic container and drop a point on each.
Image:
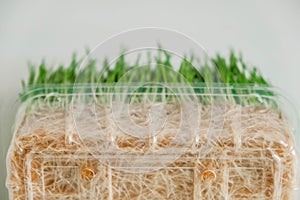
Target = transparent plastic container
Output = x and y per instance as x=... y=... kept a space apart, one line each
x=154 y=140
x=195 y=146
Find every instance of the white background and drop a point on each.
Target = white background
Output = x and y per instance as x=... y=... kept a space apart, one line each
x=266 y=32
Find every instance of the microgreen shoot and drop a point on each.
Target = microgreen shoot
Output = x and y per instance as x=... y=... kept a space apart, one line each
x=44 y=79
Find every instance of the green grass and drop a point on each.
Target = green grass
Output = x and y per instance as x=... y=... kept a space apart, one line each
x=44 y=79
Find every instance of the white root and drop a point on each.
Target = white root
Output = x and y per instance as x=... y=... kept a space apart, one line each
x=252 y=158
